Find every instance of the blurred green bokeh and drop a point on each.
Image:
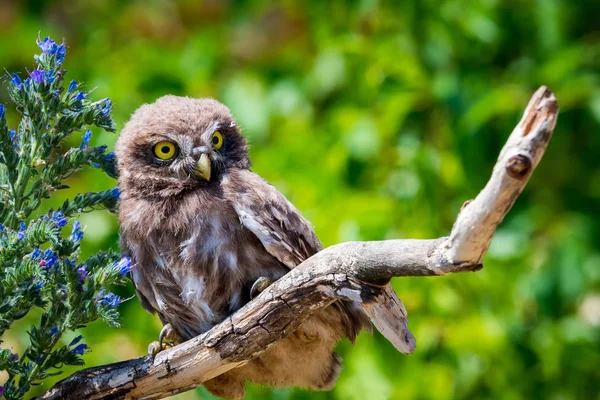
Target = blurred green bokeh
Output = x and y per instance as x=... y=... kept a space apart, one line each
x=378 y=120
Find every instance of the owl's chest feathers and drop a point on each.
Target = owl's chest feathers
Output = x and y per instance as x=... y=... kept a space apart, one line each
x=195 y=259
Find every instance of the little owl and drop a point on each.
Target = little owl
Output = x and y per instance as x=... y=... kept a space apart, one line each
x=206 y=234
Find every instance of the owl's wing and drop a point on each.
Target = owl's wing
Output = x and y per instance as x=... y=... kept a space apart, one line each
x=283 y=232
x=280 y=227
x=137 y=282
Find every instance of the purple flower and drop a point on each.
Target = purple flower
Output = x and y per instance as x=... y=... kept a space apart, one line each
x=1 y=391
x=115 y=193
x=77 y=233
x=85 y=140
x=49 y=47
x=123 y=265
x=2 y=228
x=76 y=340
x=37 y=76
x=80 y=349
x=22 y=228
x=14 y=357
x=2 y=111
x=82 y=271
x=72 y=86
x=16 y=80
x=80 y=96
x=54 y=330
x=110 y=157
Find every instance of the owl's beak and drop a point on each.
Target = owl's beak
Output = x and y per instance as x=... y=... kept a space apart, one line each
x=202 y=168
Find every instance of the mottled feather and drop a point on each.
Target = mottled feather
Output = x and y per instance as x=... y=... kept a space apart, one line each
x=282 y=230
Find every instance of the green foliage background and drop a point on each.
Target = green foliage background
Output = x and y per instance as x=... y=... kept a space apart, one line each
x=378 y=120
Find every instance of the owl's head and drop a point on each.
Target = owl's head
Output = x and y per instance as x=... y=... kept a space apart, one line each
x=177 y=144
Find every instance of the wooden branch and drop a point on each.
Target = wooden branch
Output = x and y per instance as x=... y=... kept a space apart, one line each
x=356 y=271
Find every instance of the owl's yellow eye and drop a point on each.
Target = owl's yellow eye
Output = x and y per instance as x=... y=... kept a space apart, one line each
x=217 y=140
x=164 y=150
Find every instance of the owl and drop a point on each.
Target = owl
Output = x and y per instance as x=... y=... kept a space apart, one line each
x=206 y=234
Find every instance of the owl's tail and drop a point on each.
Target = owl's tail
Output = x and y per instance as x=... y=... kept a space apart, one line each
x=389 y=316
x=386 y=311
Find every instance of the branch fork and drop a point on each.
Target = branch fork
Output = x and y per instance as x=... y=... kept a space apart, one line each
x=355 y=271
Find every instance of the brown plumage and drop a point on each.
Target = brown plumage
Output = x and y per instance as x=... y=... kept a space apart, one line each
x=202 y=228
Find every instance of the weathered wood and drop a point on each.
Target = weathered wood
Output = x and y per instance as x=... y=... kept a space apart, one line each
x=356 y=271
x=524 y=149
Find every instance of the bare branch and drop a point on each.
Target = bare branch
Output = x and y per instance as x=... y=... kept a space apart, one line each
x=357 y=271
x=477 y=221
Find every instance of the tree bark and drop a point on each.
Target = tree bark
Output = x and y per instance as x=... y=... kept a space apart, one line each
x=356 y=271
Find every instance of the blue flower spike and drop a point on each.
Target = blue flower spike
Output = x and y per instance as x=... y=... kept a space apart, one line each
x=123 y=265
x=37 y=254
x=109 y=298
x=46 y=253
x=85 y=140
x=115 y=193
x=16 y=80
x=72 y=86
x=59 y=218
x=50 y=48
x=22 y=229
x=80 y=349
x=82 y=271
x=54 y=330
x=77 y=233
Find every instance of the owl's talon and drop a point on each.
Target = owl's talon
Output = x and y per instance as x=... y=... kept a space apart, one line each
x=260 y=285
x=154 y=348
x=166 y=339
x=167 y=333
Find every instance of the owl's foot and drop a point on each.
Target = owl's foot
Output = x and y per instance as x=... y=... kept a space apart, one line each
x=260 y=285
x=167 y=333
x=154 y=348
